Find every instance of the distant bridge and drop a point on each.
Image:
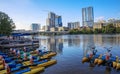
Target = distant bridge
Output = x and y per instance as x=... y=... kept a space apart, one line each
x=41 y=32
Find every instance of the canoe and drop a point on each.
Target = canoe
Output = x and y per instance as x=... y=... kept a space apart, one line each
x=1 y=62
x=1 y=67
x=35 y=70
x=26 y=71
x=3 y=72
x=46 y=64
x=11 y=63
x=27 y=63
x=49 y=55
x=41 y=64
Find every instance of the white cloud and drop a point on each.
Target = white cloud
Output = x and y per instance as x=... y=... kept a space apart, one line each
x=99 y=18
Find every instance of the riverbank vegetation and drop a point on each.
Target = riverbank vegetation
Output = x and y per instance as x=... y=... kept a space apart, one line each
x=6 y=24
x=109 y=29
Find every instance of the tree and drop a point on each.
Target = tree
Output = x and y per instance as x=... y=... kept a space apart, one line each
x=6 y=24
x=110 y=28
x=118 y=30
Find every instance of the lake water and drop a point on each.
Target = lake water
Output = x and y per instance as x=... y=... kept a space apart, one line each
x=72 y=48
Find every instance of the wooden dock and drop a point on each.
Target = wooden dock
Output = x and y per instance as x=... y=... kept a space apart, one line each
x=19 y=45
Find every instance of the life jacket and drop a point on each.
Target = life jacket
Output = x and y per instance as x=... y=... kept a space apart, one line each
x=11 y=50
x=37 y=51
x=7 y=68
x=24 y=49
x=38 y=58
x=25 y=56
x=91 y=55
x=18 y=54
x=31 y=59
x=1 y=57
x=14 y=51
x=107 y=56
x=3 y=62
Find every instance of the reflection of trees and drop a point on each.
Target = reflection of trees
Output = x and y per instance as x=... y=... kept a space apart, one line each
x=101 y=40
x=113 y=40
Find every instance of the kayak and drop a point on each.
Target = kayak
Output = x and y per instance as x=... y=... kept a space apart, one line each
x=10 y=63
x=1 y=67
x=35 y=70
x=30 y=71
x=27 y=63
x=44 y=64
x=25 y=71
x=49 y=55
x=1 y=62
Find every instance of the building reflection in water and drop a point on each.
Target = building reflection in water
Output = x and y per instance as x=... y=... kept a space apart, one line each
x=87 y=43
x=53 y=44
x=73 y=41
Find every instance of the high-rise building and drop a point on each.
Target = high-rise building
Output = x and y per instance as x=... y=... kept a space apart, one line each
x=53 y=20
x=87 y=17
x=58 y=21
x=73 y=25
x=51 y=17
x=35 y=27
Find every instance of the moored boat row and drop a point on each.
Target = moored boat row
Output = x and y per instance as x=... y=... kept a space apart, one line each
x=21 y=62
x=103 y=59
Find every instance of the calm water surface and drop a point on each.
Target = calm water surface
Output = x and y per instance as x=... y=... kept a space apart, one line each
x=72 y=48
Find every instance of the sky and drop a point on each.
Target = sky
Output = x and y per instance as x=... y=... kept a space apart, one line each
x=26 y=12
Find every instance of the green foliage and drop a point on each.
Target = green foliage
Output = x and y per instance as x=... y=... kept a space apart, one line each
x=118 y=30
x=6 y=24
x=109 y=29
x=83 y=31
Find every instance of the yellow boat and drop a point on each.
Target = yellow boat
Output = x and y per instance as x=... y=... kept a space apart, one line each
x=3 y=72
x=114 y=63
x=118 y=66
x=96 y=60
x=35 y=70
x=32 y=71
x=85 y=59
x=100 y=61
x=51 y=62
x=33 y=52
x=1 y=67
x=1 y=62
x=46 y=64
x=45 y=56
x=49 y=55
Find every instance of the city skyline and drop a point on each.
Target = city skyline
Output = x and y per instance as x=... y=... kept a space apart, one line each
x=88 y=16
x=25 y=12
